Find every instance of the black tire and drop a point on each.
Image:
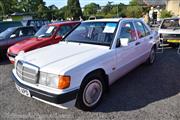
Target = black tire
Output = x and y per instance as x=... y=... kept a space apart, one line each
x=152 y=56
x=82 y=98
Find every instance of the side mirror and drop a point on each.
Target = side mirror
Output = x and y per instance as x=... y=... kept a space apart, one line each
x=13 y=36
x=122 y=42
x=58 y=37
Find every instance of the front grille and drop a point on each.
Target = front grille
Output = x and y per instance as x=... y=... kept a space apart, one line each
x=27 y=72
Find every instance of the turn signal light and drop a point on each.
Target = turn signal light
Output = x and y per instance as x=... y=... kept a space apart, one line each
x=64 y=82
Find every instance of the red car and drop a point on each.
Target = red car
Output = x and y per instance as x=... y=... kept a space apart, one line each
x=47 y=35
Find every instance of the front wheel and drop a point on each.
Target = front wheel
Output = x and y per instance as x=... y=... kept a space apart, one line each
x=91 y=92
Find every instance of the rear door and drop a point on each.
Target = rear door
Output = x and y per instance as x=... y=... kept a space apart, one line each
x=144 y=36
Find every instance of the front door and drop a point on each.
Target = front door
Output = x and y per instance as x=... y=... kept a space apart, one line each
x=126 y=55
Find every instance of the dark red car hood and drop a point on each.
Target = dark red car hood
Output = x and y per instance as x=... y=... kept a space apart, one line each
x=27 y=45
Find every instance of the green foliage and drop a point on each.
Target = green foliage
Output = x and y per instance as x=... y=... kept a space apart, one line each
x=74 y=9
x=8 y=5
x=91 y=9
x=42 y=11
x=165 y=14
x=134 y=11
x=133 y=3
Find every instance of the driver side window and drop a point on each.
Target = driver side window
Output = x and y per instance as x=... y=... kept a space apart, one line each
x=128 y=31
x=15 y=34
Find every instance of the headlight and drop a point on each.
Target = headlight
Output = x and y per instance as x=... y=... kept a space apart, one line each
x=8 y=50
x=54 y=81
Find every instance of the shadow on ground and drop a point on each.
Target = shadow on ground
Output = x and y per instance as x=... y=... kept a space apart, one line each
x=4 y=60
x=145 y=85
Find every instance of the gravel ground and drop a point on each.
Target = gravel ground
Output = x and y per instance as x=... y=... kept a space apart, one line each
x=146 y=93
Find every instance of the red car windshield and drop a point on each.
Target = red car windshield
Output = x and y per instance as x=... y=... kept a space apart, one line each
x=45 y=31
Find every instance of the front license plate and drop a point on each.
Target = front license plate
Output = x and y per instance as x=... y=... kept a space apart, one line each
x=173 y=41
x=23 y=91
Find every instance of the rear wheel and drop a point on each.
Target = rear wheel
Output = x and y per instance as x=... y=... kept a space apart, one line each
x=152 y=56
x=91 y=92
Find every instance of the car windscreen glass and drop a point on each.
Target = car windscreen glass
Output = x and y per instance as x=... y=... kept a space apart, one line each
x=6 y=33
x=94 y=33
x=45 y=31
x=171 y=24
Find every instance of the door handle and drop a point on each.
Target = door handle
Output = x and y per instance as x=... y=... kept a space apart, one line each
x=137 y=43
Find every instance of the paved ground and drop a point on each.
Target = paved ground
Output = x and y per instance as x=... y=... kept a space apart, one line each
x=146 y=93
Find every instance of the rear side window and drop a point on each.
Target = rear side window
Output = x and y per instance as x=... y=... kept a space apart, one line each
x=147 y=30
x=64 y=29
x=140 y=29
x=128 y=31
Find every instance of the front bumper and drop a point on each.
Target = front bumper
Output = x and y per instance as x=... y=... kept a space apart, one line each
x=170 y=38
x=61 y=100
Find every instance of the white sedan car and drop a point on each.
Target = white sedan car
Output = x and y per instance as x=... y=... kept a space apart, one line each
x=78 y=70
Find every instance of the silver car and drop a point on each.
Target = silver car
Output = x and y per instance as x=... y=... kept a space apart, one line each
x=169 y=31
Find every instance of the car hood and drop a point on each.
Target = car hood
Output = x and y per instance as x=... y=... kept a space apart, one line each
x=61 y=56
x=26 y=45
x=169 y=31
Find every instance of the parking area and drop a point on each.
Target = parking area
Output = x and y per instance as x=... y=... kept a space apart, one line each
x=148 y=92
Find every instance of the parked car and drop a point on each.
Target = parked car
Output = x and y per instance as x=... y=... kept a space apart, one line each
x=47 y=35
x=13 y=35
x=78 y=70
x=36 y=23
x=169 y=31
x=7 y=24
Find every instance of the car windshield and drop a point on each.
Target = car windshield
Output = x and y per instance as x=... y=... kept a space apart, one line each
x=45 y=31
x=101 y=33
x=171 y=24
x=6 y=33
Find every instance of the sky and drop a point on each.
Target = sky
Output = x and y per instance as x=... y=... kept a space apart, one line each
x=61 y=3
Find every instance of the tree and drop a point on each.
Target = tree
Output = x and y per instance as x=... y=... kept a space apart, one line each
x=73 y=9
x=53 y=12
x=8 y=5
x=62 y=13
x=134 y=10
x=91 y=9
x=133 y=3
x=107 y=8
x=166 y=14
x=42 y=12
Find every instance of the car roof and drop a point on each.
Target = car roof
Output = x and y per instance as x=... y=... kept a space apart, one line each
x=105 y=20
x=111 y=19
x=63 y=23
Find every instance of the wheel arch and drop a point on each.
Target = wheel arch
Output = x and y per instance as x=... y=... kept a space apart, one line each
x=102 y=72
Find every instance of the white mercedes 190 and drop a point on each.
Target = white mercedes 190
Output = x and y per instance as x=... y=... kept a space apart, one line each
x=78 y=70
